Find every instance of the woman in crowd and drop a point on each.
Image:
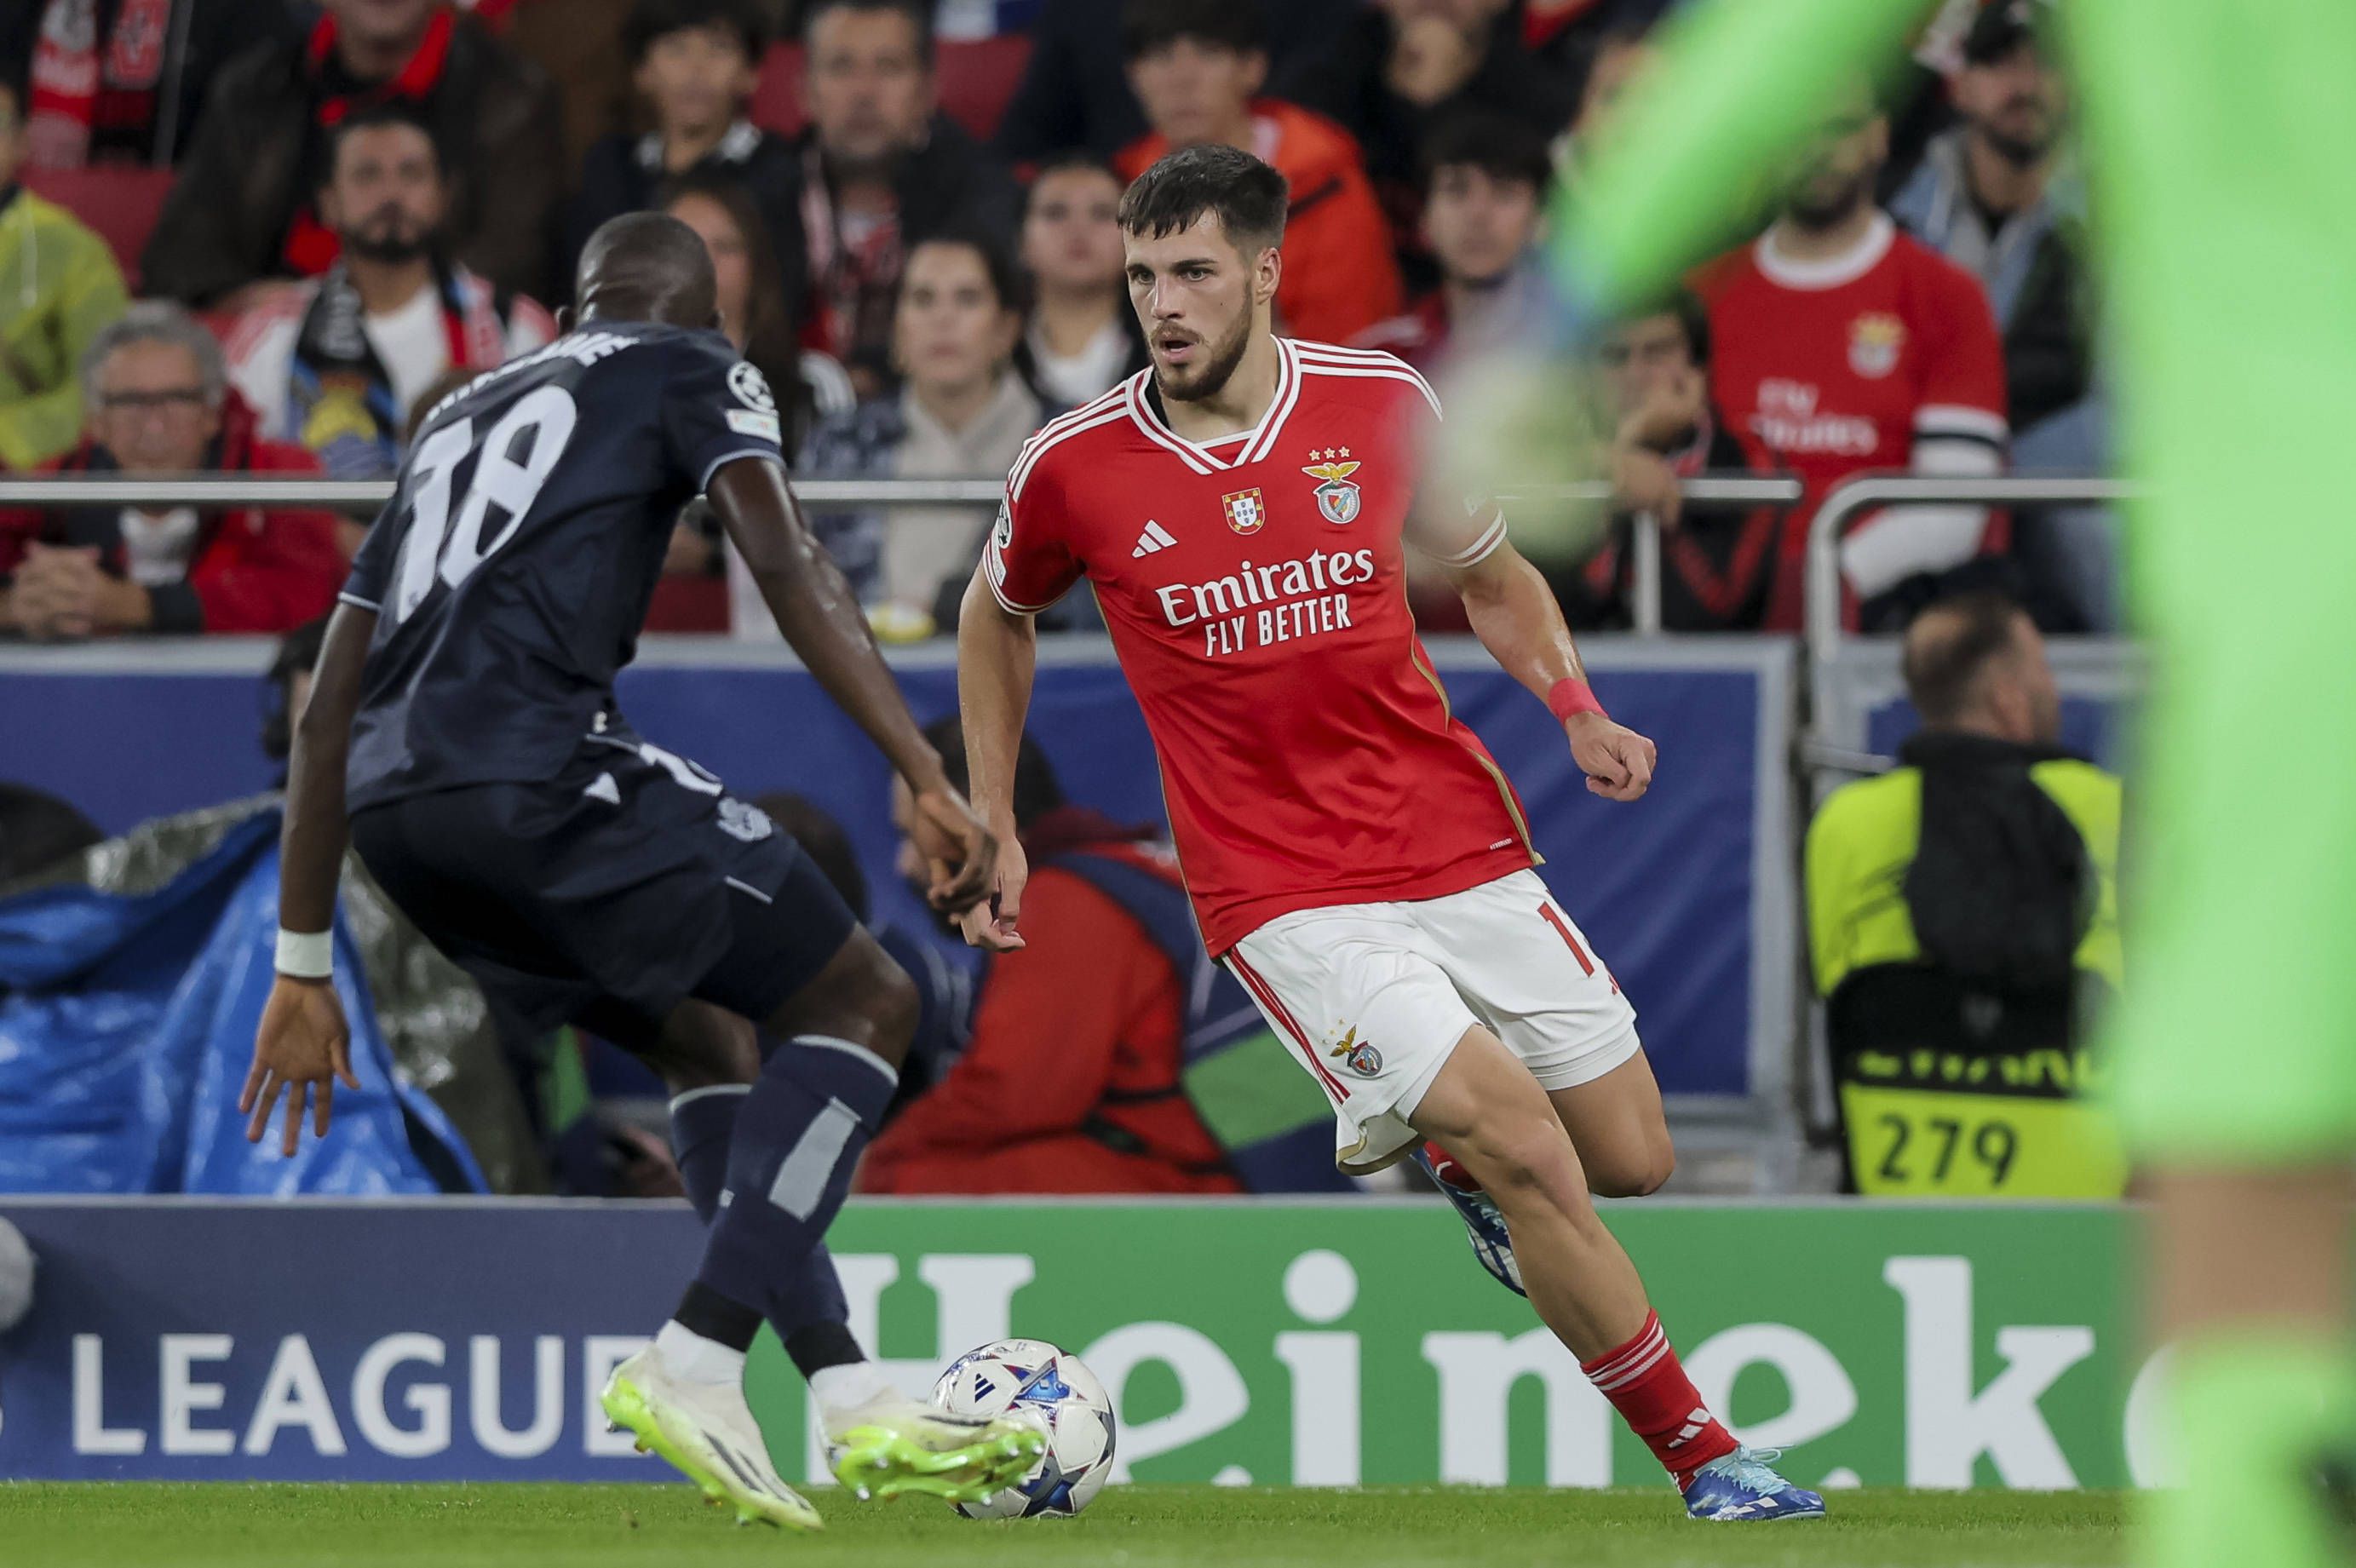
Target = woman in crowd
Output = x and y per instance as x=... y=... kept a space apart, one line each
x=961 y=411
x=1083 y=338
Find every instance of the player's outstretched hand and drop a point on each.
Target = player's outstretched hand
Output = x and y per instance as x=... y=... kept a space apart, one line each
x=960 y=852
x=303 y=1043
x=990 y=924
x=1617 y=760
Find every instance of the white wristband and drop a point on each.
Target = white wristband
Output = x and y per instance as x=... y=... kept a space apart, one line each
x=306 y=954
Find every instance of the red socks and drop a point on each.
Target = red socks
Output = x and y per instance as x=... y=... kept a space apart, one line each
x=1650 y=1390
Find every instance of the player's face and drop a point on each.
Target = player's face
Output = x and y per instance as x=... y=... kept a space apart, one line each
x=1071 y=236
x=1479 y=225
x=1199 y=299
x=1642 y=358
x=1194 y=93
x=385 y=200
x=1835 y=174
x=696 y=77
x=152 y=412
x=870 y=94
x=2015 y=102
x=950 y=332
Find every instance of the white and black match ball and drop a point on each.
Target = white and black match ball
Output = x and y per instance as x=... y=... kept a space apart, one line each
x=1034 y=1381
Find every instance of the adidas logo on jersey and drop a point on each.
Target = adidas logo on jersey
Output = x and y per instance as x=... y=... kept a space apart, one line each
x=1154 y=538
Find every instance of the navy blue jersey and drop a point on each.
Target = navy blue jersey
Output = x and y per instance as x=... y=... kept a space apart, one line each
x=511 y=571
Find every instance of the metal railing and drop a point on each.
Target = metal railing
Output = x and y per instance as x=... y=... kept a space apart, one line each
x=816 y=490
x=1845 y=500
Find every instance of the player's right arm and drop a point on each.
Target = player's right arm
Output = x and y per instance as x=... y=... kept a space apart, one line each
x=303 y=1045
x=1026 y=566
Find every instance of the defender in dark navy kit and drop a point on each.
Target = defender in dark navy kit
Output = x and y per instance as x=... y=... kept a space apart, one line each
x=462 y=727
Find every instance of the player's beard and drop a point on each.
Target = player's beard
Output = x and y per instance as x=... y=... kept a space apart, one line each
x=1821 y=205
x=389 y=236
x=1210 y=377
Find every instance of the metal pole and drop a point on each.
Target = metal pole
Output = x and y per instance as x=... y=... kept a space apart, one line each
x=1645 y=581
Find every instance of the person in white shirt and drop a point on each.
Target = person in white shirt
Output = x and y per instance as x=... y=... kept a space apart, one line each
x=1083 y=339
x=339 y=364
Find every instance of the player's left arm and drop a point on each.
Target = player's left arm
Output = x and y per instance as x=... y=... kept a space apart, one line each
x=821 y=618
x=1515 y=615
x=304 y=1045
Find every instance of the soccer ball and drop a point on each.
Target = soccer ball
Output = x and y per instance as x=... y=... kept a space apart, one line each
x=1034 y=1381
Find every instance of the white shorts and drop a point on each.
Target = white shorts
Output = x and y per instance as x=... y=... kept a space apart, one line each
x=1372 y=997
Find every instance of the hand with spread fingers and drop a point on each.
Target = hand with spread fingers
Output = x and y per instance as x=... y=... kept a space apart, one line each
x=303 y=1046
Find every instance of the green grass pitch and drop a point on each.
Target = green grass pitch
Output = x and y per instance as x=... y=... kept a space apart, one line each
x=130 y=1526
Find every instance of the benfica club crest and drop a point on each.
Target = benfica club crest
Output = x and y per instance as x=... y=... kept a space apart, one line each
x=1337 y=499
x=1874 y=340
x=1358 y=1055
x=1246 y=513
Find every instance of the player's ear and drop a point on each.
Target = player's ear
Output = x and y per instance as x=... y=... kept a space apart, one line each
x=1267 y=274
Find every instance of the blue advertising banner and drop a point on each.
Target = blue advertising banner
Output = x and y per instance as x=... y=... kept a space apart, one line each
x=1684 y=894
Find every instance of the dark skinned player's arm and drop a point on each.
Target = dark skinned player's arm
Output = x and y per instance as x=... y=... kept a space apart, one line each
x=311 y=842
x=821 y=619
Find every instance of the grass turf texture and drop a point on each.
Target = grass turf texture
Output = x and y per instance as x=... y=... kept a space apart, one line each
x=86 y=1525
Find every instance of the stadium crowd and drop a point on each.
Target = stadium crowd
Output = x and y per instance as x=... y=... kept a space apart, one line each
x=910 y=207
x=267 y=236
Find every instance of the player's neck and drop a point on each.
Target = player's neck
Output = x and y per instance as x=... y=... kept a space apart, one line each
x=1236 y=406
x=1804 y=242
x=385 y=286
x=1069 y=320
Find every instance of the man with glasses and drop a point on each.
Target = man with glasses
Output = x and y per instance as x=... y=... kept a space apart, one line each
x=1842 y=344
x=160 y=404
x=58 y=286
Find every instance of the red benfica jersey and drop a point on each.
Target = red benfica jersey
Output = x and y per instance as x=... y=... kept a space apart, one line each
x=1256 y=594
x=1884 y=359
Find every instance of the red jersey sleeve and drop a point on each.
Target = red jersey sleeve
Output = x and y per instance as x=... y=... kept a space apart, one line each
x=1455 y=529
x=1962 y=390
x=1028 y=562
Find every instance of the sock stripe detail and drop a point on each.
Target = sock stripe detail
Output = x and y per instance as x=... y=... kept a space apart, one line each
x=694 y=1094
x=803 y=1175
x=850 y=1048
x=1635 y=1372
x=1611 y=1364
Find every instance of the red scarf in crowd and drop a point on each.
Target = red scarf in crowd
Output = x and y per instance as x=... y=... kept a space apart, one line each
x=311 y=247
x=84 y=85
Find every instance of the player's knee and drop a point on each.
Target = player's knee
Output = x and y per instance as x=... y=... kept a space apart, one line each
x=1637 y=1176
x=862 y=996
x=1524 y=1160
x=704 y=1046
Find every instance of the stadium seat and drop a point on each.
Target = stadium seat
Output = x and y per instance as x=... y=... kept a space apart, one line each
x=977 y=78
x=121 y=203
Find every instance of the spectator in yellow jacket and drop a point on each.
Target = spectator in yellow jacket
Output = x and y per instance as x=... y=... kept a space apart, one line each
x=58 y=289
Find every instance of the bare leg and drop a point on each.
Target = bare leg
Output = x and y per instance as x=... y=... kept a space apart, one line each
x=1487 y=1110
x=1617 y=1126
x=2252 y=1250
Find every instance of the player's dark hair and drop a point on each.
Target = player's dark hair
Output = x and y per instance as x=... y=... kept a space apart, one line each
x=823 y=840
x=1692 y=315
x=1008 y=281
x=376 y=117
x=919 y=16
x=652 y=20
x=1036 y=792
x=647 y=266
x=1149 y=24
x=1247 y=196
x=1943 y=671
x=1503 y=149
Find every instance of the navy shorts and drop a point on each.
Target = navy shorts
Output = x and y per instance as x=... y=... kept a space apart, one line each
x=610 y=894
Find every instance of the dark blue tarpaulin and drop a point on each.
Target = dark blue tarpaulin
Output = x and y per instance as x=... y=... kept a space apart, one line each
x=126 y=1030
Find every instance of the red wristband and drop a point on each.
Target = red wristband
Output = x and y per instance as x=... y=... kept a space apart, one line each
x=1572 y=697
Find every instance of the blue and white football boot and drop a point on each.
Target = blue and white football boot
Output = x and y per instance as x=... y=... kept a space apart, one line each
x=1491 y=1244
x=1741 y=1488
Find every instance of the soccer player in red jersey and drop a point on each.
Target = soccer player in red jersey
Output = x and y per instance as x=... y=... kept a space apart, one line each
x=1242 y=508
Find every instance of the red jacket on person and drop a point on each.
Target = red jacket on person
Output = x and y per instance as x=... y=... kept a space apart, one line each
x=252 y=570
x=1070 y=1083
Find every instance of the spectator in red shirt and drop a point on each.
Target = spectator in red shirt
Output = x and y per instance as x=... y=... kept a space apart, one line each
x=1485 y=180
x=160 y=403
x=1198 y=67
x=123 y=81
x=1843 y=345
x=1070 y=1080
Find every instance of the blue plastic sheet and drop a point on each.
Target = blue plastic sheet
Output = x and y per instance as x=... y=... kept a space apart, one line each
x=126 y=1030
